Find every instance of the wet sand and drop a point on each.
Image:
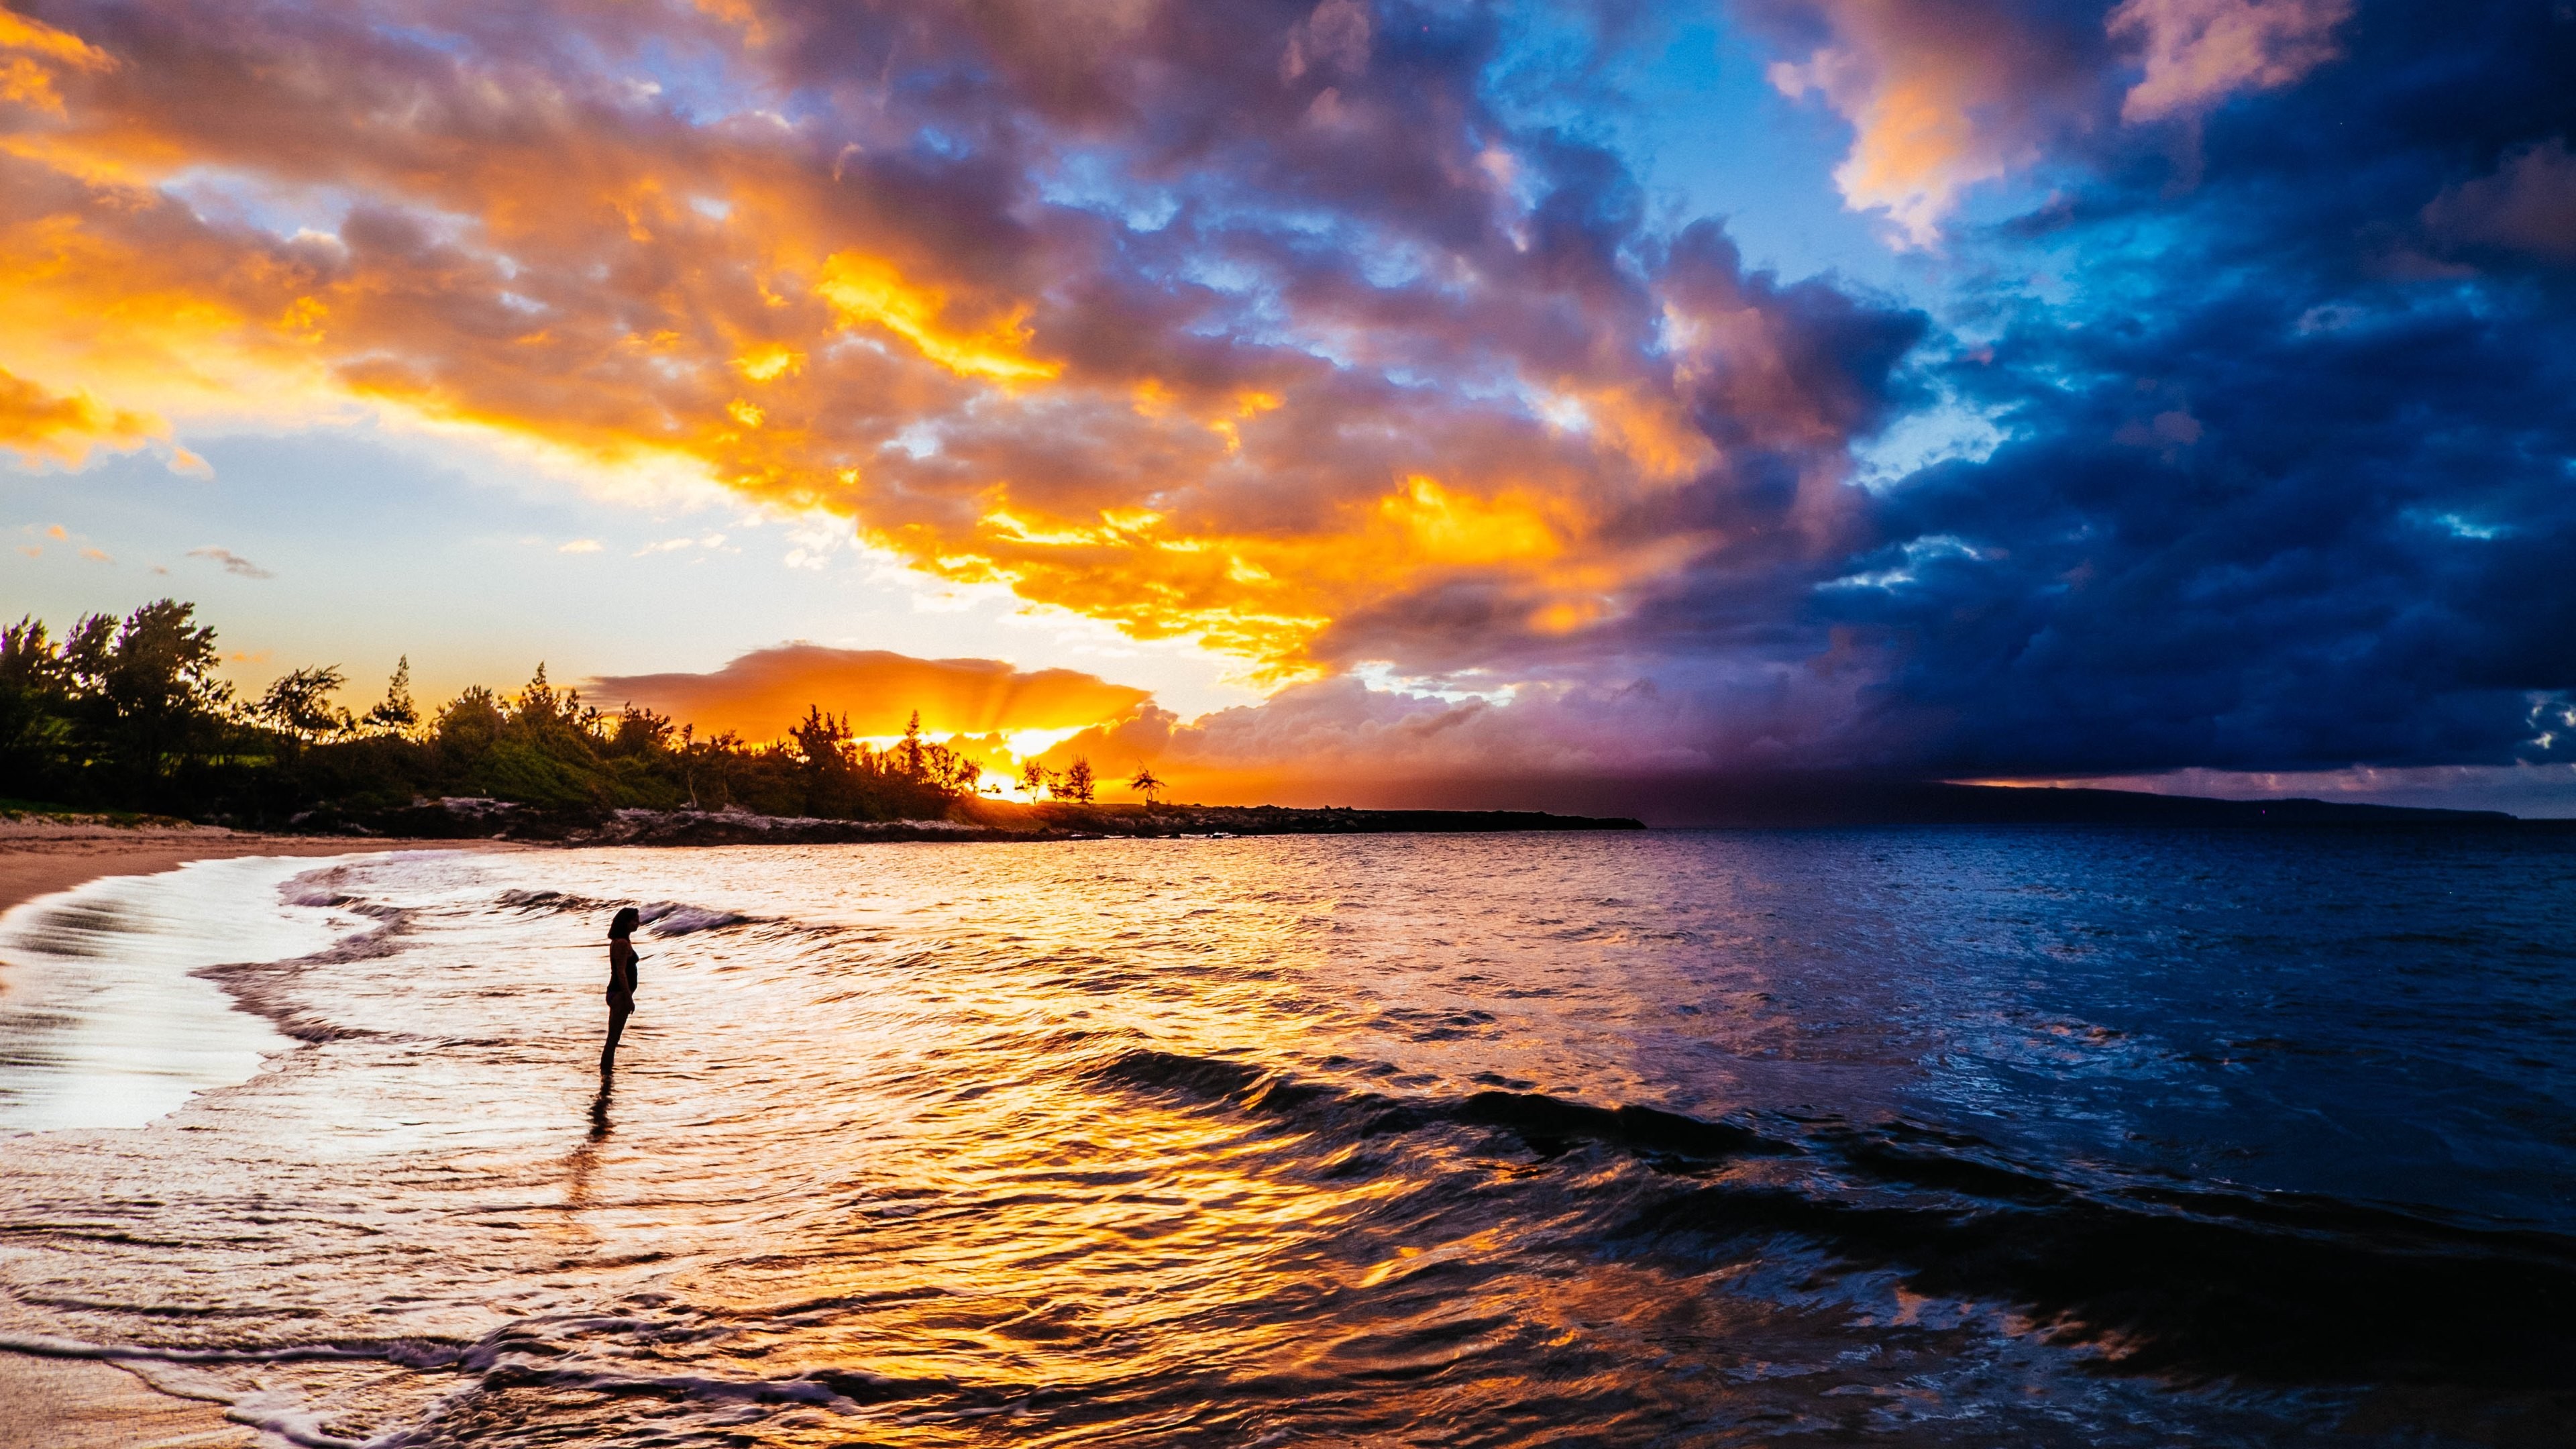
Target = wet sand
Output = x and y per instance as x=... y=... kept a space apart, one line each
x=59 y=1403
x=39 y=857
x=84 y=1404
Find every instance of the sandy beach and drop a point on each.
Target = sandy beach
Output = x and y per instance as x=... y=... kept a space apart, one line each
x=79 y=1403
x=41 y=856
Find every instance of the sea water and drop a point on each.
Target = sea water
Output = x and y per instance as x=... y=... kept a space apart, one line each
x=1935 y=1136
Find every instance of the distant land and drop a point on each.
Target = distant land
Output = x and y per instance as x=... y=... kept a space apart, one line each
x=972 y=819
x=1762 y=802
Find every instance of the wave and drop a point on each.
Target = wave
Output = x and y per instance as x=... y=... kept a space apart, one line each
x=266 y=988
x=663 y=918
x=2195 y=1281
x=670 y=918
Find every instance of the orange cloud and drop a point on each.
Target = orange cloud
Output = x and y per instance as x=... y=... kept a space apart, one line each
x=865 y=289
x=2200 y=52
x=1219 y=430
x=1945 y=94
x=40 y=425
x=1941 y=94
x=32 y=53
x=760 y=694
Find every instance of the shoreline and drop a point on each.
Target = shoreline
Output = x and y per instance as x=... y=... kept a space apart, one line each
x=73 y=1403
x=40 y=857
x=70 y=1403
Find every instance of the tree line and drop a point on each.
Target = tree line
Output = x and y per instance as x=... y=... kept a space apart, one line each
x=133 y=714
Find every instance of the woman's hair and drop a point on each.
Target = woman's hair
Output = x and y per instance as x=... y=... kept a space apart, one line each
x=625 y=924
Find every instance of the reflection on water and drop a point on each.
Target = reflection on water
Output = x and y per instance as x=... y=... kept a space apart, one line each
x=1933 y=1137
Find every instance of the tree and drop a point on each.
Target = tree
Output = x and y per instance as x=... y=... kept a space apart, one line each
x=639 y=731
x=1034 y=778
x=397 y=715
x=299 y=706
x=908 y=755
x=821 y=740
x=469 y=726
x=1077 y=782
x=1145 y=784
x=542 y=711
x=35 y=707
x=146 y=688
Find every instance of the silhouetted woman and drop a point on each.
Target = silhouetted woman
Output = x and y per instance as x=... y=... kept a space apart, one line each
x=621 y=982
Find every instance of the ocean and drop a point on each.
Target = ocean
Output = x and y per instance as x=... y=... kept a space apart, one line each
x=2026 y=1136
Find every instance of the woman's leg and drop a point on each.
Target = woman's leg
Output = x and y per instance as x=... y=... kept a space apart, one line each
x=618 y=1011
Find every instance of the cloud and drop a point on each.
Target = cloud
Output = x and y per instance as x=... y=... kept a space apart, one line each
x=2528 y=205
x=233 y=563
x=1258 y=375
x=1941 y=94
x=41 y=426
x=1305 y=331
x=2522 y=789
x=32 y=53
x=2200 y=52
x=1945 y=94
x=580 y=545
x=1598 y=745
x=761 y=693
x=2297 y=514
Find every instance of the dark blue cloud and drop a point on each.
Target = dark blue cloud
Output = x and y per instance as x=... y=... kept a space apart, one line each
x=2292 y=471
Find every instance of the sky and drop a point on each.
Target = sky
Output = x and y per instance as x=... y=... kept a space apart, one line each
x=1341 y=401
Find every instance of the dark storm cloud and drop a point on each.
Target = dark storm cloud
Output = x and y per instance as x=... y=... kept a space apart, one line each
x=2291 y=478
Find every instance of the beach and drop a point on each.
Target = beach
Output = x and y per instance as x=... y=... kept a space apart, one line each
x=41 y=856
x=59 y=1403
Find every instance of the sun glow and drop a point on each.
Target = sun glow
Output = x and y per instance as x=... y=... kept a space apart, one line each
x=868 y=289
x=563 y=281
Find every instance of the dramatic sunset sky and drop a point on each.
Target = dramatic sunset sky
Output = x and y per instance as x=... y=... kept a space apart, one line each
x=1363 y=400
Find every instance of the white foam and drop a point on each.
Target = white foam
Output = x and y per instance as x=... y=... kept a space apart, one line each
x=101 y=1022
x=670 y=918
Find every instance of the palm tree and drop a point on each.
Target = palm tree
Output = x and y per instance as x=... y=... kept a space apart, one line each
x=1146 y=784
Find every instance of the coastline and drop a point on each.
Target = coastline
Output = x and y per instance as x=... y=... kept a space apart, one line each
x=41 y=856
x=64 y=1403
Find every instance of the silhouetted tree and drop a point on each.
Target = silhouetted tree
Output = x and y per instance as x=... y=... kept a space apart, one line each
x=469 y=726
x=1077 y=782
x=823 y=746
x=639 y=731
x=145 y=690
x=130 y=713
x=298 y=706
x=1145 y=784
x=396 y=715
x=35 y=709
x=908 y=753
